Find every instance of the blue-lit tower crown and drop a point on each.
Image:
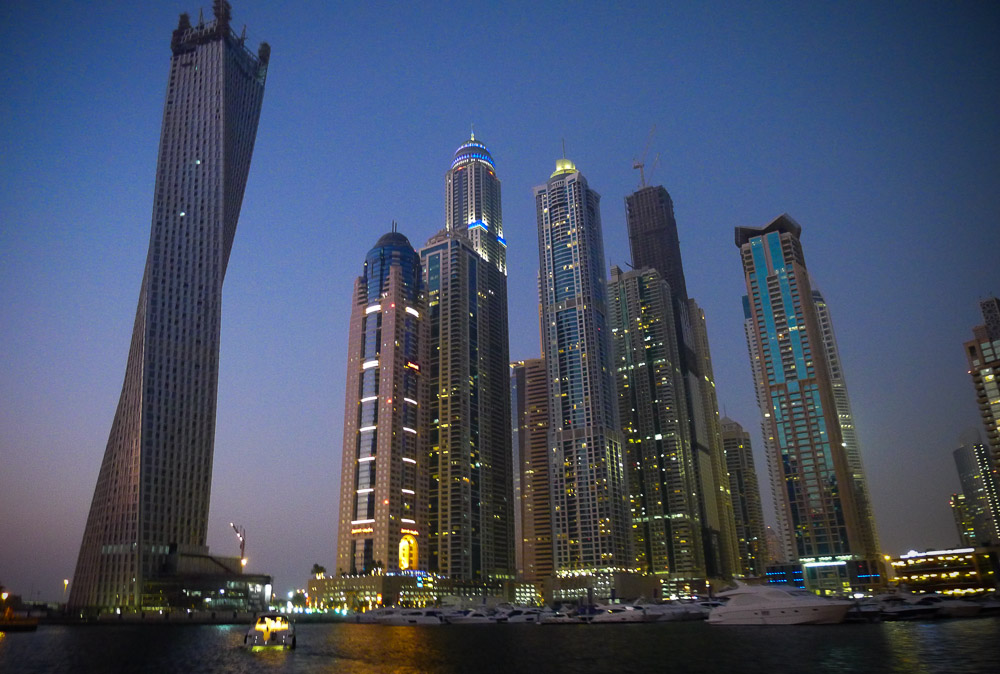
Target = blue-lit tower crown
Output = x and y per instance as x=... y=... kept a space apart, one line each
x=391 y=249
x=472 y=201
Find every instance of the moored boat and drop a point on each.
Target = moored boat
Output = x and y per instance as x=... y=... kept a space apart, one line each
x=775 y=604
x=414 y=616
x=620 y=613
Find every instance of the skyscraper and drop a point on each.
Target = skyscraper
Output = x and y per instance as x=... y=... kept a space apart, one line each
x=980 y=487
x=153 y=489
x=845 y=417
x=590 y=519
x=745 y=492
x=530 y=424
x=663 y=484
x=983 y=352
x=471 y=524
x=831 y=533
x=383 y=475
x=654 y=243
x=965 y=523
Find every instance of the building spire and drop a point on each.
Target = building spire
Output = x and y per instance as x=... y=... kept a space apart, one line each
x=393 y=226
x=472 y=131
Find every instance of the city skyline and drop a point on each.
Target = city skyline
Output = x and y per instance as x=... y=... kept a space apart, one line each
x=898 y=150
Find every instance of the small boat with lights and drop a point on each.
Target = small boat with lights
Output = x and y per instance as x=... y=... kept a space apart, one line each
x=271 y=630
x=777 y=605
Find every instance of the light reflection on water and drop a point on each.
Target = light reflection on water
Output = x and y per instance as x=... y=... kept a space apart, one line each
x=971 y=646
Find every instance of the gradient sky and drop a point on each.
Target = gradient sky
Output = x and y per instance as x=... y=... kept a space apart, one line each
x=875 y=125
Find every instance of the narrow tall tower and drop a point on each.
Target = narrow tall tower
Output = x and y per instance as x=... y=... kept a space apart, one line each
x=471 y=524
x=155 y=480
x=663 y=484
x=848 y=433
x=829 y=528
x=590 y=521
x=383 y=474
x=530 y=423
x=745 y=492
x=983 y=353
x=655 y=244
x=980 y=487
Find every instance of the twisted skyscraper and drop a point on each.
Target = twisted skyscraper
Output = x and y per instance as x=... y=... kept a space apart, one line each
x=152 y=494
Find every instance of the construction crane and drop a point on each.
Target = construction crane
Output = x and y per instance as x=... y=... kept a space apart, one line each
x=241 y=534
x=641 y=163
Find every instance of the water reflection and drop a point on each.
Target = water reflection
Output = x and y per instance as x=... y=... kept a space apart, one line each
x=971 y=646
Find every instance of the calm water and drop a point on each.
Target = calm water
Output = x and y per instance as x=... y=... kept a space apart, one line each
x=942 y=646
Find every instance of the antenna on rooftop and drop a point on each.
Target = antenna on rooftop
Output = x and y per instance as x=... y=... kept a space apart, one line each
x=564 y=148
x=393 y=226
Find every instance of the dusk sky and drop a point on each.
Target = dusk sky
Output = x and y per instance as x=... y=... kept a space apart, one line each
x=875 y=125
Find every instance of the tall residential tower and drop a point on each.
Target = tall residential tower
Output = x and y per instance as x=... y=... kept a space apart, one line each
x=655 y=244
x=529 y=429
x=383 y=474
x=980 y=488
x=590 y=519
x=745 y=492
x=470 y=517
x=663 y=482
x=153 y=489
x=828 y=526
x=983 y=353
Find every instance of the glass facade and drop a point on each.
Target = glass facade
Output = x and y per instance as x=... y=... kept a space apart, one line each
x=590 y=517
x=822 y=511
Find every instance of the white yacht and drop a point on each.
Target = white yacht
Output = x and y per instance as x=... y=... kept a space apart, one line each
x=673 y=610
x=559 y=618
x=519 y=615
x=270 y=630
x=948 y=607
x=621 y=613
x=414 y=616
x=777 y=605
x=475 y=616
x=378 y=615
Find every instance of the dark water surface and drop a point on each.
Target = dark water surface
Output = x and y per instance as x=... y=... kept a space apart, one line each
x=920 y=647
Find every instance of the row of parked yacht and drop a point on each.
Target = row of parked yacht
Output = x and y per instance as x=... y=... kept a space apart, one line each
x=743 y=605
x=612 y=613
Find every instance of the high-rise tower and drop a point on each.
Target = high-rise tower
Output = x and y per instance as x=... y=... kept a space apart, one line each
x=745 y=492
x=590 y=520
x=827 y=525
x=472 y=202
x=530 y=423
x=663 y=485
x=845 y=416
x=983 y=353
x=980 y=487
x=470 y=518
x=383 y=474
x=655 y=244
x=152 y=493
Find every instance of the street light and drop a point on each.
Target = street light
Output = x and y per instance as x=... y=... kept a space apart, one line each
x=241 y=533
x=65 y=585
